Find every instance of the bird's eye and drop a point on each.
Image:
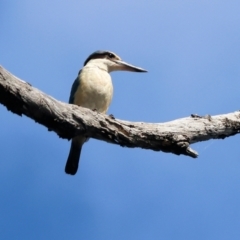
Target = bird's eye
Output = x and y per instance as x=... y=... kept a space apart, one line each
x=111 y=55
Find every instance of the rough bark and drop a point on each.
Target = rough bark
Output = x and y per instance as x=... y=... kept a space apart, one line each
x=70 y=120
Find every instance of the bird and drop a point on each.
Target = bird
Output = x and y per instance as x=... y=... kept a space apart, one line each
x=93 y=89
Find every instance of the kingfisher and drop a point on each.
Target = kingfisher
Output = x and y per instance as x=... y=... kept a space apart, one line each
x=93 y=89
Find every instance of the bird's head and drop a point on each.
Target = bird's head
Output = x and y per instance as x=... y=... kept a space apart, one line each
x=110 y=61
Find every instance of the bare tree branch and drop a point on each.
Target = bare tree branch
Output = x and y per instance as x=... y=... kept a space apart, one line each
x=70 y=120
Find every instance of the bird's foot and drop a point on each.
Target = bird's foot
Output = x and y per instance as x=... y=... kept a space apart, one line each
x=111 y=116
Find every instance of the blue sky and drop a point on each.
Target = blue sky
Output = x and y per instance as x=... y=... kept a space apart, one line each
x=192 y=52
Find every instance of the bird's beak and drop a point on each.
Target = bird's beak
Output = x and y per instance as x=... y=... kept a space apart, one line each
x=121 y=65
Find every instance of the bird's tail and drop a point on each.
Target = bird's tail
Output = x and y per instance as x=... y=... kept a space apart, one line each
x=73 y=158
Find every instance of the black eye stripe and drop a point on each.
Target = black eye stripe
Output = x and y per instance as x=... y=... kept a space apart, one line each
x=111 y=55
x=100 y=54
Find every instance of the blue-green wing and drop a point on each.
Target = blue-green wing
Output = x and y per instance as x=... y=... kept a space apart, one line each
x=75 y=86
